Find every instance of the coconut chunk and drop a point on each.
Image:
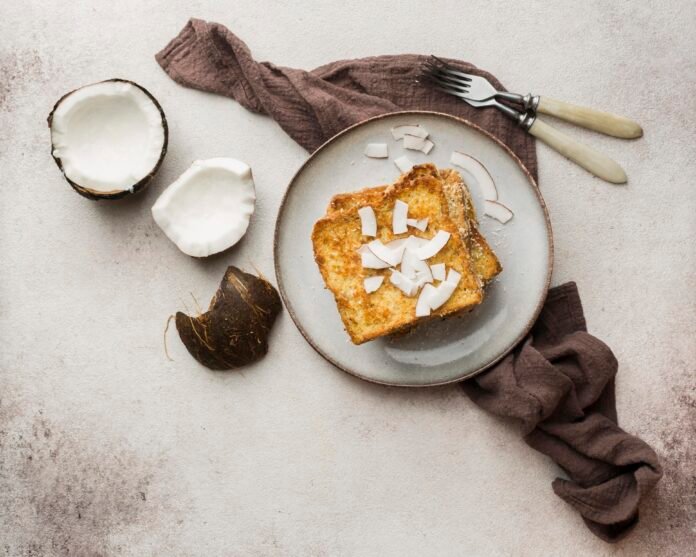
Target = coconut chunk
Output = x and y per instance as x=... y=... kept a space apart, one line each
x=108 y=138
x=453 y=277
x=439 y=294
x=398 y=132
x=478 y=172
x=208 y=208
x=420 y=224
x=403 y=163
x=399 y=217
x=368 y=221
x=434 y=245
x=369 y=260
x=497 y=210
x=403 y=283
x=373 y=283
x=377 y=151
x=415 y=268
x=439 y=271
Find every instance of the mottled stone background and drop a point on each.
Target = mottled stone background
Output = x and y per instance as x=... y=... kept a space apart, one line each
x=107 y=448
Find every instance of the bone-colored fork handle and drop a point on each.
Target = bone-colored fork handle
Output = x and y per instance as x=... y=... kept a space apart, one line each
x=593 y=161
x=604 y=122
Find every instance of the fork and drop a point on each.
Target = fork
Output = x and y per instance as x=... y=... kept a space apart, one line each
x=478 y=92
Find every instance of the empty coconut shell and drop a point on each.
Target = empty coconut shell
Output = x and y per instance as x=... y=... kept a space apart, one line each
x=234 y=331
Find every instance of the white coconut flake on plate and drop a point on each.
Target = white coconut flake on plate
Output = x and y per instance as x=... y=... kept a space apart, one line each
x=434 y=245
x=420 y=224
x=439 y=271
x=373 y=283
x=368 y=221
x=478 y=172
x=427 y=146
x=403 y=163
x=369 y=260
x=413 y=142
x=403 y=283
x=377 y=151
x=399 y=217
x=416 y=130
x=497 y=210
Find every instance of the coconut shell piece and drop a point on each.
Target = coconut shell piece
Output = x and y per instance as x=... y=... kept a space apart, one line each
x=234 y=331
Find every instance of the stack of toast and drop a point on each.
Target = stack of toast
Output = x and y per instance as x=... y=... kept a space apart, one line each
x=443 y=198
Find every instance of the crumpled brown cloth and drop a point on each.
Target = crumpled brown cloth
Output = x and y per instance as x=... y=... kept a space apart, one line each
x=560 y=380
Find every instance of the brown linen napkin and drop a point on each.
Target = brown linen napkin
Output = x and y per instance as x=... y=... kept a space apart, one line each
x=560 y=380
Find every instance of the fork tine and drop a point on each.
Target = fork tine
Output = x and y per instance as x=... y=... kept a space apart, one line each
x=446 y=81
x=439 y=72
x=448 y=69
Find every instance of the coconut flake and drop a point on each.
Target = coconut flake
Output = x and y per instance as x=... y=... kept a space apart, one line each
x=434 y=246
x=427 y=146
x=403 y=163
x=368 y=221
x=497 y=210
x=392 y=256
x=439 y=271
x=403 y=283
x=414 y=143
x=441 y=294
x=399 y=217
x=411 y=129
x=369 y=260
x=453 y=277
x=373 y=283
x=415 y=269
x=478 y=172
x=377 y=151
x=423 y=303
x=420 y=224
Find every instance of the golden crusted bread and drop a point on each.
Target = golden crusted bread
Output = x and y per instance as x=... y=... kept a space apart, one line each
x=461 y=209
x=337 y=236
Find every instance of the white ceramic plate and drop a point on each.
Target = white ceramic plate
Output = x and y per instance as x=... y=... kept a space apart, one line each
x=438 y=352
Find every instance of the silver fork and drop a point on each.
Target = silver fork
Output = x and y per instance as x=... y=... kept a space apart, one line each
x=478 y=92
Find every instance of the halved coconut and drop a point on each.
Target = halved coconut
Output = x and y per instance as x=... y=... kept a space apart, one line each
x=108 y=138
x=207 y=209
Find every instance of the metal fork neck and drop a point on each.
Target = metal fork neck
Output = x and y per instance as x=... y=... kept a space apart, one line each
x=524 y=119
x=529 y=102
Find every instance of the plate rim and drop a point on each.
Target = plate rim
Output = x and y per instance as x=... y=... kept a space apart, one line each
x=285 y=297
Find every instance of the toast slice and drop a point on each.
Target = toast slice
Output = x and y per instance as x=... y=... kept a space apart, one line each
x=337 y=236
x=461 y=208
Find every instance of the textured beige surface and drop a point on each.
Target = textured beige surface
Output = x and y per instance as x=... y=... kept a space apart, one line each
x=109 y=449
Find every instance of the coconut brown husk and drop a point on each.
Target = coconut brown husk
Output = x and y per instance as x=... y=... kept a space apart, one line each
x=234 y=331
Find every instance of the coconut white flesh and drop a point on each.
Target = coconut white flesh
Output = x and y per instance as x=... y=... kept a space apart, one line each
x=368 y=221
x=434 y=246
x=399 y=217
x=403 y=163
x=415 y=268
x=440 y=294
x=423 y=303
x=439 y=271
x=427 y=146
x=377 y=151
x=478 y=172
x=207 y=209
x=411 y=129
x=108 y=136
x=403 y=283
x=420 y=224
x=497 y=210
x=453 y=277
x=369 y=260
x=373 y=283
x=389 y=254
x=413 y=142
